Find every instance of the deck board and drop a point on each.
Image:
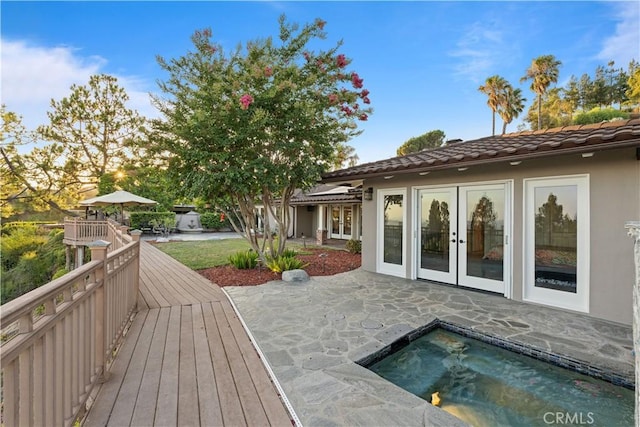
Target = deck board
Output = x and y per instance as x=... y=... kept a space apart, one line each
x=186 y=360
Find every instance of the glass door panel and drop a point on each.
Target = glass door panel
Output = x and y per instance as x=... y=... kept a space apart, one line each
x=391 y=226
x=482 y=225
x=437 y=244
x=346 y=222
x=335 y=221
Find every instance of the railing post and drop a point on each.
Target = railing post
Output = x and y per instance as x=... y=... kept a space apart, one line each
x=634 y=232
x=99 y=253
x=135 y=235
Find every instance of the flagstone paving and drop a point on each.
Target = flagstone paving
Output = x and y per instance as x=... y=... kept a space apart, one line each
x=313 y=332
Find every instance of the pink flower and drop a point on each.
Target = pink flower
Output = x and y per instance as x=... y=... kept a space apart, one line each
x=245 y=101
x=333 y=98
x=364 y=93
x=366 y=100
x=268 y=71
x=320 y=23
x=306 y=56
x=363 y=117
x=356 y=80
x=347 y=110
x=341 y=61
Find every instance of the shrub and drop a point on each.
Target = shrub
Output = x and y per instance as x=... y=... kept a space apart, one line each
x=289 y=253
x=598 y=115
x=244 y=259
x=214 y=221
x=354 y=246
x=140 y=220
x=282 y=263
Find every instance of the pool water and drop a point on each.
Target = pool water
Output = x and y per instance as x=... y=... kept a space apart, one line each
x=486 y=385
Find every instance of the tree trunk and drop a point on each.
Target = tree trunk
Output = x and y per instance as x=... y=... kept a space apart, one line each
x=493 y=123
x=539 y=112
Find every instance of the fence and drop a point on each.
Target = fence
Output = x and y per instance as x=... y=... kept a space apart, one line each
x=58 y=340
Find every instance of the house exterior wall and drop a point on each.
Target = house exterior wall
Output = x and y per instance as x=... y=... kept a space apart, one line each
x=614 y=198
x=306 y=222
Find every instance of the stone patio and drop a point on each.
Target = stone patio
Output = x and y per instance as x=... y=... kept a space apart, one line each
x=313 y=332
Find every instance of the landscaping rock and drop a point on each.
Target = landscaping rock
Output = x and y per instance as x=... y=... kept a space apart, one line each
x=295 y=276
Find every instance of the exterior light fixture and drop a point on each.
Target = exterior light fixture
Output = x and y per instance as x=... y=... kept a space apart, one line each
x=462 y=169
x=423 y=173
x=515 y=163
x=585 y=155
x=388 y=177
x=368 y=193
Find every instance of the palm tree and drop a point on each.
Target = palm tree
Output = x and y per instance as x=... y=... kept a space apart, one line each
x=511 y=105
x=543 y=71
x=493 y=87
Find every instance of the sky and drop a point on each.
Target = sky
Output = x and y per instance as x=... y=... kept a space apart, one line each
x=422 y=61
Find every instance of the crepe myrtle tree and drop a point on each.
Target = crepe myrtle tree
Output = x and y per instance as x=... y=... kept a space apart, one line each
x=245 y=128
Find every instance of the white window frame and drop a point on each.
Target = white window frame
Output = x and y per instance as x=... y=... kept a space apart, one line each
x=561 y=299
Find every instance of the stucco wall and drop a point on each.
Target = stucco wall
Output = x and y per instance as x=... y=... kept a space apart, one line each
x=614 y=190
x=306 y=222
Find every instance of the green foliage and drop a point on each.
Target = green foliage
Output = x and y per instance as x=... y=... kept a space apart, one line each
x=35 y=256
x=213 y=221
x=140 y=220
x=598 y=115
x=283 y=263
x=253 y=124
x=431 y=139
x=289 y=253
x=17 y=240
x=244 y=260
x=354 y=246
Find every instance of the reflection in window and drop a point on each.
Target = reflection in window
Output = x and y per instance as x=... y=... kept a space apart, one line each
x=556 y=238
x=485 y=234
x=435 y=232
x=393 y=222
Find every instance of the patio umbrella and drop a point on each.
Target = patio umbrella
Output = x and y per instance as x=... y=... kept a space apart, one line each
x=122 y=198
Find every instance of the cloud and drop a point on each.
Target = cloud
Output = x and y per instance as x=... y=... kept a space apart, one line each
x=478 y=51
x=624 y=44
x=33 y=75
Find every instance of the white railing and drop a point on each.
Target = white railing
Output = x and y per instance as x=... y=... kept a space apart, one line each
x=59 y=339
x=80 y=232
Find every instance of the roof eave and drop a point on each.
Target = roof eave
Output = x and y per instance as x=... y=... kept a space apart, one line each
x=586 y=148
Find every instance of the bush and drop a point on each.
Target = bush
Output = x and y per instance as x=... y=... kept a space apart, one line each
x=140 y=220
x=214 y=221
x=244 y=259
x=598 y=115
x=20 y=238
x=354 y=246
x=282 y=263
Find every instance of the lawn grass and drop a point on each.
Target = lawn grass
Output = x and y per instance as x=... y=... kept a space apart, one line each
x=201 y=254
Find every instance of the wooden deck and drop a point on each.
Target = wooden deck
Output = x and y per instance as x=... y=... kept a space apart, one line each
x=186 y=359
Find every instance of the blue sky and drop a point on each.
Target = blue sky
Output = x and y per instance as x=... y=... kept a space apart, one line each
x=421 y=61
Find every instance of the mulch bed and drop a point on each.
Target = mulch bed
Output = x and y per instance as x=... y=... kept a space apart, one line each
x=321 y=262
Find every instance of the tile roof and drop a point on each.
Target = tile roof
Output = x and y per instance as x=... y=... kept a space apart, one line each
x=510 y=147
x=327 y=194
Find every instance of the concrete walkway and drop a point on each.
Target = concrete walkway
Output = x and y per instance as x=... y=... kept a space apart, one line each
x=311 y=334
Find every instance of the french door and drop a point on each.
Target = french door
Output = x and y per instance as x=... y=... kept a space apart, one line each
x=341 y=222
x=461 y=236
